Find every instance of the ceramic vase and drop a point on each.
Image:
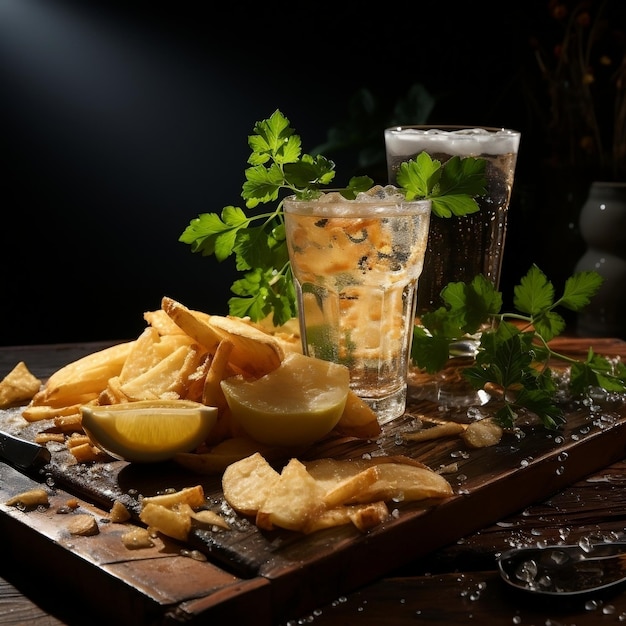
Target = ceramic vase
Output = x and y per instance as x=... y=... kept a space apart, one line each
x=603 y=227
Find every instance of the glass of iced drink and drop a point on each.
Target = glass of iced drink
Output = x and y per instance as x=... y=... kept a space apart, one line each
x=356 y=265
x=460 y=248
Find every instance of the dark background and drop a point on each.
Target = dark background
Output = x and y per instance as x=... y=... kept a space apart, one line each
x=122 y=121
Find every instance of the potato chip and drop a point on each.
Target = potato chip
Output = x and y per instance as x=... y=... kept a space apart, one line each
x=247 y=483
x=18 y=386
x=482 y=433
x=294 y=498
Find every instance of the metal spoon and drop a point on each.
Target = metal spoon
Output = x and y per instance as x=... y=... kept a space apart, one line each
x=564 y=570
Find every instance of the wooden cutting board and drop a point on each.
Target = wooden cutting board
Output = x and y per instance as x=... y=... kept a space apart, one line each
x=250 y=575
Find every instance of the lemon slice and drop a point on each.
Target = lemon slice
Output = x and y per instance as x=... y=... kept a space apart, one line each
x=148 y=430
x=296 y=404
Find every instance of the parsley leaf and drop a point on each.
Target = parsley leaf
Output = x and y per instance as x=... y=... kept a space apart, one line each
x=452 y=188
x=514 y=354
x=278 y=167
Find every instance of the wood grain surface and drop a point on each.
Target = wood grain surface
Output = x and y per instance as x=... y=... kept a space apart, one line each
x=279 y=575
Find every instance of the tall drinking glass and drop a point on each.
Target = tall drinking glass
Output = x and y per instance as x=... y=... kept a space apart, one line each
x=460 y=248
x=356 y=265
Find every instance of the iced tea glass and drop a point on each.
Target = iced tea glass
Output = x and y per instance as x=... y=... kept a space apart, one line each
x=356 y=265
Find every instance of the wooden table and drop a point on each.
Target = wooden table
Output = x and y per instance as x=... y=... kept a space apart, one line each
x=455 y=584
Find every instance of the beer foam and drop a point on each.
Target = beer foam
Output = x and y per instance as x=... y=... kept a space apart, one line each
x=407 y=141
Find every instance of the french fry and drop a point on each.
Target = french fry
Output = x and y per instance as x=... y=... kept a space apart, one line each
x=197 y=379
x=69 y=423
x=328 y=518
x=113 y=393
x=83 y=525
x=44 y=412
x=29 y=499
x=77 y=439
x=203 y=517
x=44 y=438
x=363 y=516
x=87 y=452
x=141 y=356
x=212 y=394
x=195 y=356
x=398 y=478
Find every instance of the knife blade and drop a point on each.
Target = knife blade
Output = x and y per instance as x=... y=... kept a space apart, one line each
x=22 y=454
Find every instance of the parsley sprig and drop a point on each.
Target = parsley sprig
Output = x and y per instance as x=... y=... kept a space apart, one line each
x=278 y=168
x=514 y=353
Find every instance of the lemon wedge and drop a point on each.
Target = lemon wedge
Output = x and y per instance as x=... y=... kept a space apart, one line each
x=296 y=404
x=148 y=431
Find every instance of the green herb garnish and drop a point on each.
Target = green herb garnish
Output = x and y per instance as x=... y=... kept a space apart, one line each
x=279 y=168
x=514 y=355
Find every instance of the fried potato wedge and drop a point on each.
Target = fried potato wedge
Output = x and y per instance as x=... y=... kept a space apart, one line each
x=351 y=487
x=168 y=377
x=193 y=323
x=162 y=323
x=254 y=352
x=398 y=479
x=84 y=379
